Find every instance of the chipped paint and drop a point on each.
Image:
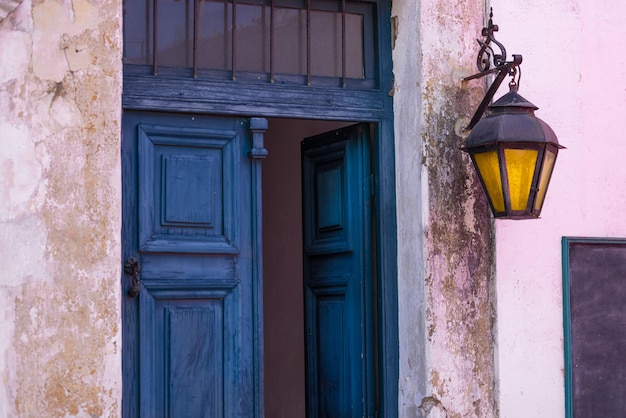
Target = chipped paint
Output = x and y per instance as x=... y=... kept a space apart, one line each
x=459 y=234
x=59 y=208
x=60 y=81
x=452 y=234
x=7 y=7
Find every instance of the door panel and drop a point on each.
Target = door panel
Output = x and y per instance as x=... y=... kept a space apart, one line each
x=187 y=183
x=191 y=341
x=338 y=274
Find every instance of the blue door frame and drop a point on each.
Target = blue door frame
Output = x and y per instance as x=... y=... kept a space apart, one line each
x=145 y=92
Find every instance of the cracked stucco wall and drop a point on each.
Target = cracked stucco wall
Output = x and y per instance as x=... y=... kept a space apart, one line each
x=60 y=89
x=445 y=233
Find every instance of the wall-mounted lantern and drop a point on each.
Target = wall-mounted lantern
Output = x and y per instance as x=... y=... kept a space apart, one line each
x=513 y=151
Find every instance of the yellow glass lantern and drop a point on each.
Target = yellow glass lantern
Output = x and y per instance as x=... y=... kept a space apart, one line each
x=514 y=153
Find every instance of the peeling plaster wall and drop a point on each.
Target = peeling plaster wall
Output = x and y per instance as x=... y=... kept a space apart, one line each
x=445 y=234
x=574 y=70
x=410 y=208
x=60 y=89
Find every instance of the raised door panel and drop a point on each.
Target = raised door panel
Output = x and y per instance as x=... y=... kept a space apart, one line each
x=188 y=179
x=333 y=372
x=183 y=350
x=193 y=369
x=327 y=198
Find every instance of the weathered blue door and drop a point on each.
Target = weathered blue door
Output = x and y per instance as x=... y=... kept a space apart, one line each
x=191 y=306
x=338 y=274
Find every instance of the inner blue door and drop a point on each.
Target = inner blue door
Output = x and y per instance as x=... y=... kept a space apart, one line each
x=338 y=278
x=191 y=336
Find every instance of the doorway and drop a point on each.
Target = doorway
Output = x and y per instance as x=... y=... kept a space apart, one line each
x=288 y=348
x=200 y=267
x=191 y=343
x=190 y=339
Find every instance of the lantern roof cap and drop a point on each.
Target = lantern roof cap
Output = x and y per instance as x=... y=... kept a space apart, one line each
x=511 y=119
x=512 y=101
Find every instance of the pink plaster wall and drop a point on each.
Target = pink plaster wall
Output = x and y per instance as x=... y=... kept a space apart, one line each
x=574 y=71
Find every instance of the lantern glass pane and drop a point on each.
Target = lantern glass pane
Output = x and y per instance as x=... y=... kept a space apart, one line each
x=546 y=171
x=520 y=169
x=489 y=170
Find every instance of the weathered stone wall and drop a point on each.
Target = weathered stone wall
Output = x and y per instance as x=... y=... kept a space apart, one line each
x=60 y=89
x=445 y=232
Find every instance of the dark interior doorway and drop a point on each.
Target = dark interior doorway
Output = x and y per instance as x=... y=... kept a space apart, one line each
x=283 y=265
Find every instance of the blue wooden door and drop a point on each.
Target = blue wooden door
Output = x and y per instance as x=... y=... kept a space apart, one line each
x=338 y=274
x=191 y=338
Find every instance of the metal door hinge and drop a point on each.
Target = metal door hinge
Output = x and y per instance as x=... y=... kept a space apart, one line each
x=132 y=268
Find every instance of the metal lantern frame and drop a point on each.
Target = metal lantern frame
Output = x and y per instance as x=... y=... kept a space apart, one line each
x=512 y=150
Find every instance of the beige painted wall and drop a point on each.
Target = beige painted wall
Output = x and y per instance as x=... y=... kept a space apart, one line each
x=60 y=86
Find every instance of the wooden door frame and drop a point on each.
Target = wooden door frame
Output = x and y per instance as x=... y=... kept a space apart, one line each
x=144 y=91
x=385 y=242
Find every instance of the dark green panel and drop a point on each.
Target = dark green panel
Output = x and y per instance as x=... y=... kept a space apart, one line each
x=594 y=290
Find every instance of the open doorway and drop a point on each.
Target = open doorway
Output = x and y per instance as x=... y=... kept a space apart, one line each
x=283 y=265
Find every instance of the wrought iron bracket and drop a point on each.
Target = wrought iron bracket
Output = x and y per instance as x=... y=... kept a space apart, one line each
x=502 y=67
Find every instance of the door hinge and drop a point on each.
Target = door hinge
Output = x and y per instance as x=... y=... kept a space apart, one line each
x=132 y=268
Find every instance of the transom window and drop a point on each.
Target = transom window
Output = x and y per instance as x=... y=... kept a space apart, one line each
x=314 y=42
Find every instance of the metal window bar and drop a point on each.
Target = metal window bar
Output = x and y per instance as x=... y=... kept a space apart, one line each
x=343 y=43
x=272 y=10
x=234 y=41
x=308 y=42
x=188 y=4
x=196 y=17
x=148 y=34
x=154 y=36
x=225 y=23
x=196 y=10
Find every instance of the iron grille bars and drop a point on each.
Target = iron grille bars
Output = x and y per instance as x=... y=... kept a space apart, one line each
x=324 y=52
